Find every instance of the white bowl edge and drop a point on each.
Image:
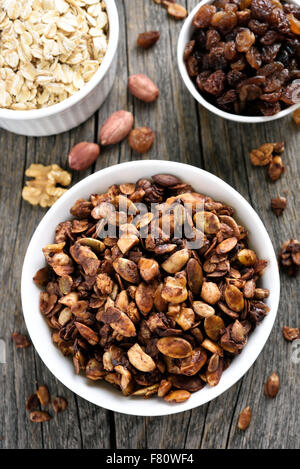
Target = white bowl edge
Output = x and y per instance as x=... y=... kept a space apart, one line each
x=100 y=393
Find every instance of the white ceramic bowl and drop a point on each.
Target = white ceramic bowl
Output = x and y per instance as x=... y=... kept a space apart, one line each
x=184 y=37
x=79 y=107
x=100 y=393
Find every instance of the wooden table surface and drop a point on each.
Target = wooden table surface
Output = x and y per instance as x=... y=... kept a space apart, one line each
x=184 y=132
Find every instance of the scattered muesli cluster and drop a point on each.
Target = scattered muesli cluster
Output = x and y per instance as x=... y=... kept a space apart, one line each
x=49 y=49
x=244 y=56
x=20 y=340
x=289 y=257
x=268 y=155
x=42 y=398
x=146 y=312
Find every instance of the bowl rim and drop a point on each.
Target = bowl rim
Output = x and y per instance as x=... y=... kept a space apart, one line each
x=120 y=404
x=113 y=22
x=187 y=25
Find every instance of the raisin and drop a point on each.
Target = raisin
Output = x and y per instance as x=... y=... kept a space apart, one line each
x=269 y=109
x=215 y=83
x=269 y=69
x=290 y=93
x=201 y=78
x=231 y=7
x=212 y=38
x=271 y=97
x=148 y=39
x=239 y=65
x=274 y=82
x=261 y=9
x=249 y=92
x=226 y=99
x=217 y=59
x=257 y=27
x=279 y=20
x=141 y=139
x=254 y=58
x=269 y=53
x=244 y=40
x=257 y=80
x=192 y=66
x=234 y=77
x=269 y=38
x=225 y=21
x=188 y=50
x=243 y=17
x=203 y=16
x=230 y=50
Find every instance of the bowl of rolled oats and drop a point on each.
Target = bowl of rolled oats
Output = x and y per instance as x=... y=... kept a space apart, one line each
x=139 y=283
x=57 y=62
x=240 y=60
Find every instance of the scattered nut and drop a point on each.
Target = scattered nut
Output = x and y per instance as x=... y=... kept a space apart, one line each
x=43 y=189
x=143 y=88
x=83 y=155
x=116 y=128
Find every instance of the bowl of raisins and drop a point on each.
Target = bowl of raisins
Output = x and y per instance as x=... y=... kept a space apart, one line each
x=240 y=59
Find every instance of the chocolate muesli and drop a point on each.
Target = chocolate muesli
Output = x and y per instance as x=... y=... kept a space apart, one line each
x=152 y=287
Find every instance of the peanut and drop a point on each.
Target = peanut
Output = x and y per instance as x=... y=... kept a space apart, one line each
x=116 y=127
x=143 y=88
x=83 y=155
